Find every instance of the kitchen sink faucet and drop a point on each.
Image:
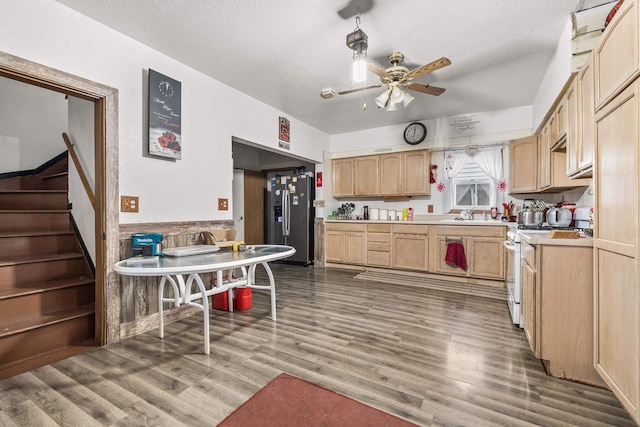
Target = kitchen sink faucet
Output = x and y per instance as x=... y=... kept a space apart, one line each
x=467 y=213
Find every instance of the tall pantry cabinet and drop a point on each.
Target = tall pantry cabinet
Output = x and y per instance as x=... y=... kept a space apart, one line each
x=616 y=128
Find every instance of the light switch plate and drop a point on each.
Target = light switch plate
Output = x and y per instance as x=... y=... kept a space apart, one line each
x=129 y=203
x=429 y=208
x=223 y=204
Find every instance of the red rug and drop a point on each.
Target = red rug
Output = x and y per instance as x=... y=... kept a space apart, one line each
x=290 y=401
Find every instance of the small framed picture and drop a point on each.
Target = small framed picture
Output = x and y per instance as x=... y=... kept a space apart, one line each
x=165 y=116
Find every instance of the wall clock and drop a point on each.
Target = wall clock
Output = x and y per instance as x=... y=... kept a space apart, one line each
x=415 y=133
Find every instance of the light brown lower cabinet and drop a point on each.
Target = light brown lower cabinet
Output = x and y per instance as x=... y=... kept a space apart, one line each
x=557 y=308
x=411 y=247
x=379 y=245
x=345 y=243
x=483 y=249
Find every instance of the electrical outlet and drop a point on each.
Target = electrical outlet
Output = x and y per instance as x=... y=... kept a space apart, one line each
x=129 y=204
x=223 y=204
x=429 y=208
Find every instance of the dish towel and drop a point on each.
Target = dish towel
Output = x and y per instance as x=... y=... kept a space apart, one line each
x=455 y=256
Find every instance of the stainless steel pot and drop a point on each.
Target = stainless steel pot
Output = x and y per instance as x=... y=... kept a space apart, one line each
x=530 y=218
x=559 y=217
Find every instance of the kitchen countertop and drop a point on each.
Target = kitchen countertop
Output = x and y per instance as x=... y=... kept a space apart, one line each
x=543 y=239
x=481 y=223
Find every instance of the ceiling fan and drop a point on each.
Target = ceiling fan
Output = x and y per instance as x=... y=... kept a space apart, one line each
x=399 y=77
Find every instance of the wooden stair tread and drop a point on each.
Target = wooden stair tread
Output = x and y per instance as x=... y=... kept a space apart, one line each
x=34 y=211
x=8 y=261
x=33 y=191
x=18 y=326
x=55 y=175
x=45 y=286
x=35 y=233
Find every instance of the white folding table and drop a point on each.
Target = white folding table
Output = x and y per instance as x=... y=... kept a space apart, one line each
x=218 y=262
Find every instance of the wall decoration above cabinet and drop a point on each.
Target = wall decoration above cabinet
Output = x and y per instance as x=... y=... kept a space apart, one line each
x=384 y=175
x=415 y=133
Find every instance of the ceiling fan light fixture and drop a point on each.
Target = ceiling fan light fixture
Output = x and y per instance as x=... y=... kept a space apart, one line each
x=397 y=95
x=381 y=101
x=407 y=99
x=392 y=106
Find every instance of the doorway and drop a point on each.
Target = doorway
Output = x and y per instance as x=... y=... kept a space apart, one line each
x=254 y=162
x=104 y=99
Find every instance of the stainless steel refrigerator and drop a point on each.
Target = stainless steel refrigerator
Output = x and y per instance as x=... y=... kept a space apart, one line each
x=290 y=215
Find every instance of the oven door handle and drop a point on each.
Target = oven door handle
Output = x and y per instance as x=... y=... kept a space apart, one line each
x=509 y=246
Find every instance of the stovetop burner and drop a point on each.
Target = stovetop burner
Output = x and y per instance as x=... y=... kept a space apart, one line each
x=544 y=227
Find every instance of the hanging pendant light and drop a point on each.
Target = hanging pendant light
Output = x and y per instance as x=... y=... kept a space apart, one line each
x=358 y=42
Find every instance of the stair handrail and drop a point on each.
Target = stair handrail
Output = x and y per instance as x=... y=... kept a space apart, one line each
x=83 y=176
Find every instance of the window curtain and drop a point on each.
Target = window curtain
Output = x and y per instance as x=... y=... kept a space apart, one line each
x=454 y=162
x=490 y=161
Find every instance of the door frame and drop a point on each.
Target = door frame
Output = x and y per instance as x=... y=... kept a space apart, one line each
x=105 y=99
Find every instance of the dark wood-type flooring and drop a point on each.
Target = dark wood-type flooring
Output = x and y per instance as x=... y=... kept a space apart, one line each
x=432 y=357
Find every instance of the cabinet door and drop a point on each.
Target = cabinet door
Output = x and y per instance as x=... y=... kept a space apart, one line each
x=366 y=175
x=354 y=248
x=573 y=137
x=334 y=249
x=544 y=164
x=528 y=275
x=390 y=166
x=410 y=251
x=561 y=120
x=616 y=56
x=523 y=161
x=343 y=176
x=415 y=180
x=617 y=291
x=441 y=252
x=486 y=257
x=586 y=109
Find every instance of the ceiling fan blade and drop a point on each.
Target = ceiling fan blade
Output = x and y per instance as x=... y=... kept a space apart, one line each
x=359 y=89
x=375 y=69
x=432 y=66
x=431 y=90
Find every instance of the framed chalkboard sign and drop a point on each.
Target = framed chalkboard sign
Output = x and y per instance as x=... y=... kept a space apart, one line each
x=165 y=116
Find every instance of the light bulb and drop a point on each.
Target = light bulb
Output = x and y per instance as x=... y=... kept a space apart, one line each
x=381 y=100
x=397 y=95
x=359 y=67
x=407 y=99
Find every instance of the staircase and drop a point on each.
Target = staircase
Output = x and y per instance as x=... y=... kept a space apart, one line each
x=47 y=287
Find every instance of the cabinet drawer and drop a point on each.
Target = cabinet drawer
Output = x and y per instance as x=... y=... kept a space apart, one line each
x=381 y=259
x=528 y=254
x=379 y=246
x=379 y=228
x=378 y=237
x=471 y=230
x=334 y=226
x=410 y=229
x=616 y=58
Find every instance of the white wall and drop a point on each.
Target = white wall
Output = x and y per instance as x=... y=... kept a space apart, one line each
x=81 y=135
x=185 y=190
x=557 y=74
x=34 y=119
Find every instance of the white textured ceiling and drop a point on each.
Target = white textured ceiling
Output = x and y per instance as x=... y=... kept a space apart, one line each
x=284 y=52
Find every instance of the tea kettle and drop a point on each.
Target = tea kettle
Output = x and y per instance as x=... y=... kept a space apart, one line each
x=559 y=217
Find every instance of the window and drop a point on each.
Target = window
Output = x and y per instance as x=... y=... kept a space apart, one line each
x=472 y=188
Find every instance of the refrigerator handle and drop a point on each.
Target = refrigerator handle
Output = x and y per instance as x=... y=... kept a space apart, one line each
x=288 y=214
x=284 y=213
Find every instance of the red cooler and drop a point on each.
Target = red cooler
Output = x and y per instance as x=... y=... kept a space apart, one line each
x=242 y=299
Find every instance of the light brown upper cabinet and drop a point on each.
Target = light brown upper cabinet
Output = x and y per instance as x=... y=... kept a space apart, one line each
x=560 y=121
x=544 y=157
x=390 y=166
x=343 y=178
x=586 y=110
x=523 y=165
x=616 y=58
x=415 y=179
x=366 y=175
x=383 y=175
